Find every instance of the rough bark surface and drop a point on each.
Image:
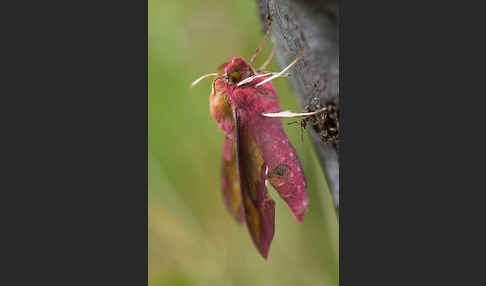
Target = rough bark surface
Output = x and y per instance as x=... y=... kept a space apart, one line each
x=312 y=25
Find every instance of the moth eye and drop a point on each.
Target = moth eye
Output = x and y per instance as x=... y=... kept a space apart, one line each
x=234 y=76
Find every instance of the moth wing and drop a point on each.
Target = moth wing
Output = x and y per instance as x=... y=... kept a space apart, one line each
x=285 y=172
x=258 y=207
x=230 y=181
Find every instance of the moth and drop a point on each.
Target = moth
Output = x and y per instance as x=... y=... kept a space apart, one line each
x=256 y=151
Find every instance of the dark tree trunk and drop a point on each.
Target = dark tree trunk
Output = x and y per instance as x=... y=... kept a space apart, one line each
x=312 y=25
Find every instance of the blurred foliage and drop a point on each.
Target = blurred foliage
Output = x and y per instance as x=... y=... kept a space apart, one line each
x=192 y=238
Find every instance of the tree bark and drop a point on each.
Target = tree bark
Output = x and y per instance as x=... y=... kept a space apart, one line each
x=312 y=25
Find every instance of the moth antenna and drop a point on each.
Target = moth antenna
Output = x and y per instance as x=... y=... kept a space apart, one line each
x=259 y=49
x=284 y=70
x=251 y=78
x=289 y=114
x=203 y=77
x=265 y=64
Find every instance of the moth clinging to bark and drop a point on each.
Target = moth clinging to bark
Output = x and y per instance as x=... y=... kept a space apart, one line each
x=255 y=148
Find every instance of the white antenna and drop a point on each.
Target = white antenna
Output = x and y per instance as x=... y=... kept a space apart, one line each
x=203 y=77
x=283 y=71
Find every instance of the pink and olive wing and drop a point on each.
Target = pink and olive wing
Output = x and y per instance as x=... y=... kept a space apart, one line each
x=230 y=181
x=259 y=208
x=285 y=171
x=220 y=108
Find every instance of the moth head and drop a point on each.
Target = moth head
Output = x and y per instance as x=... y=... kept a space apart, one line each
x=236 y=70
x=233 y=71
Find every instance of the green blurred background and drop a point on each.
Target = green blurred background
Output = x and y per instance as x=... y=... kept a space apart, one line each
x=192 y=239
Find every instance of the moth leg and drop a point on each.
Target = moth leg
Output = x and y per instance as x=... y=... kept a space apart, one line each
x=302 y=124
x=259 y=49
x=265 y=64
x=302 y=134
